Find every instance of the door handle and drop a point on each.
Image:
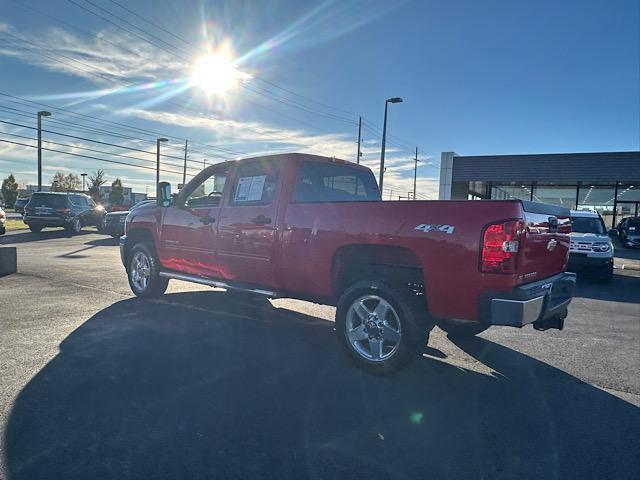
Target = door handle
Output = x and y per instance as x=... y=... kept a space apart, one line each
x=261 y=220
x=207 y=220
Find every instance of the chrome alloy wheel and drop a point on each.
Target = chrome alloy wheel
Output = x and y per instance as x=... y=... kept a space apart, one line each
x=140 y=271
x=373 y=328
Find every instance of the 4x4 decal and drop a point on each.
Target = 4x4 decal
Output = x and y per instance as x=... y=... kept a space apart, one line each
x=428 y=227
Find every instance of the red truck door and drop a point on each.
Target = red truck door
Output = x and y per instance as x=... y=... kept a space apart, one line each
x=188 y=240
x=247 y=227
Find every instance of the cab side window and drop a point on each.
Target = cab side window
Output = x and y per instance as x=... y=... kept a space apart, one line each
x=208 y=193
x=255 y=183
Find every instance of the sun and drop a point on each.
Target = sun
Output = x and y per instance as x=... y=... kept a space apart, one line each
x=216 y=74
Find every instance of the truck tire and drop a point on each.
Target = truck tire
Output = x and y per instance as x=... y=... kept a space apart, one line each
x=35 y=228
x=456 y=328
x=143 y=272
x=381 y=327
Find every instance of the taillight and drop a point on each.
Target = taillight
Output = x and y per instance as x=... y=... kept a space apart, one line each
x=500 y=244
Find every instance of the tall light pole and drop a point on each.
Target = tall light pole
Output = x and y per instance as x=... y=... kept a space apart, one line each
x=415 y=174
x=40 y=115
x=359 y=139
x=158 y=165
x=83 y=175
x=384 y=136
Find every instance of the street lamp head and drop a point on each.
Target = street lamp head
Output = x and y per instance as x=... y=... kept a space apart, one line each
x=44 y=113
x=163 y=139
x=394 y=100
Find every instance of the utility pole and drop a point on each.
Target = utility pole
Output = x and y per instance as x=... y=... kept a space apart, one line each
x=184 y=170
x=83 y=175
x=359 y=139
x=415 y=174
x=390 y=194
x=40 y=115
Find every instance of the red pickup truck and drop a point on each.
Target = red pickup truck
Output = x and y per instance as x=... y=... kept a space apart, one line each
x=315 y=228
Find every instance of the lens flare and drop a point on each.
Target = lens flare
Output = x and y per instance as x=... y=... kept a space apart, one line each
x=216 y=74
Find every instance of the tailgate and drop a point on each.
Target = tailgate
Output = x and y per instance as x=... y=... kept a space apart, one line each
x=546 y=242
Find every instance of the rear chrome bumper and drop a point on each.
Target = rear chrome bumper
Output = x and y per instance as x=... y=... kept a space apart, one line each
x=531 y=303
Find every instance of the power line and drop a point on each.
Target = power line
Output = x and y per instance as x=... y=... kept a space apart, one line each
x=89 y=140
x=90 y=157
x=88 y=149
x=153 y=24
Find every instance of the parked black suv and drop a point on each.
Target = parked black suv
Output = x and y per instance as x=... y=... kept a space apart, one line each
x=18 y=207
x=69 y=210
x=629 y=231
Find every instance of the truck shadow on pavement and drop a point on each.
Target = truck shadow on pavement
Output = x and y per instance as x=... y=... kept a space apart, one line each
x=28 y=236
x=197 y=386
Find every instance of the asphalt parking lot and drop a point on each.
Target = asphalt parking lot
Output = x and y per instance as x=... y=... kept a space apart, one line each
x=98 y=384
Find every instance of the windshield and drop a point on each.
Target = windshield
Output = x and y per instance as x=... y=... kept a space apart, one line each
x=587 y=225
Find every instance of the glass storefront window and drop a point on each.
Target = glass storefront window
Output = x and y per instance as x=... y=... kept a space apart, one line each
x=562 y=195
x=628 y=193
x=511 y=191
x=599 y=198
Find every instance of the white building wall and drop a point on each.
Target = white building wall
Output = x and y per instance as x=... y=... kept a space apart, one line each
x=446 y=174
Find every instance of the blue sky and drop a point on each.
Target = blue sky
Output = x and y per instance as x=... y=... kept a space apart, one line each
x=486 y=77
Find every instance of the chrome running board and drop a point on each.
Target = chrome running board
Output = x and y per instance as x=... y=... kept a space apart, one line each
x=185 y=277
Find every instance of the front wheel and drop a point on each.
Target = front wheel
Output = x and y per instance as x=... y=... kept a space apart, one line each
x=143 y=272
x=35 y=228
x=606 y=275
x=102 y=225
x=461 y=328
x=381 y=327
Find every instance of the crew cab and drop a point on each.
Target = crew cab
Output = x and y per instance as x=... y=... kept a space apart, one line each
x=315 y=228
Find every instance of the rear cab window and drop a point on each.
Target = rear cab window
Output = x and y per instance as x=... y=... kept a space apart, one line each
x=328 y=182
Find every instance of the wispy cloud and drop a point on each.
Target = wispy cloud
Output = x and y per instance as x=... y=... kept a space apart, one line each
x=105 y=58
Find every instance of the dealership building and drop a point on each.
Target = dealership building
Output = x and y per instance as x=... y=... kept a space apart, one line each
x=608 y=182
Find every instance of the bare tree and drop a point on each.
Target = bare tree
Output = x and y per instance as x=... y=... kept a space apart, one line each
x=95 y=182
x=65 y=183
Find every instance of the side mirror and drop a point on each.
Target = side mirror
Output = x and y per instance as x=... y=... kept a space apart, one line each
x=613 y=232
x=164 y=195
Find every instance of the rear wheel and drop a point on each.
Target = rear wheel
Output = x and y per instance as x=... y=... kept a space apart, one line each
x=461 y=328
x=143 y=272
x=381 y=327
x=75 y=226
